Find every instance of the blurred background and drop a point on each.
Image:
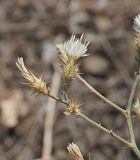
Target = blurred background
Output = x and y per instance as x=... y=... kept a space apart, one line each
x=31 y=29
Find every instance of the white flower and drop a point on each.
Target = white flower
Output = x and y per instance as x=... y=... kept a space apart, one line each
x=74 y=47
x=137 y=23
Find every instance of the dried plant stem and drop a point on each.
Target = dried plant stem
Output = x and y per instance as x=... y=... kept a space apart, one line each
x=93 y=90
x=110 y=132
x=136 y=151
x=105 y=130
x=132 y=92
x=59 y=99
x=97 y=125
x=126 y=113
x=128 y=116
x=50 y=117
x=132 y=137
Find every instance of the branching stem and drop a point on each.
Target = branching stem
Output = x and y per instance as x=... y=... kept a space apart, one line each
x=105 y=130
x=93 y=90
x=132 y=92
x=59 y=99
x=128 y=116
x=126 y=113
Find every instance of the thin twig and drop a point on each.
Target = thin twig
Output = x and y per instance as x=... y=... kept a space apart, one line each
x=59 y=99
x=93 y=90
x=132 y=93
x=128 y=116
x=105 y=130
x=126 y=113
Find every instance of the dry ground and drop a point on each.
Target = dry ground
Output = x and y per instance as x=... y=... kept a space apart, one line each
x=31 y=28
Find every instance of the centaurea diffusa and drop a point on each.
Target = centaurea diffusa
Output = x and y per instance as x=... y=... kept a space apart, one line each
x=75 y=152
x=73 y=48
x=70 y=52
x=37 y=84
x=73 y=109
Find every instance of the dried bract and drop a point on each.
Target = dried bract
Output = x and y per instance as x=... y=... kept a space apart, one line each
x=37 y=84
x=74 y=151
x=73 y=109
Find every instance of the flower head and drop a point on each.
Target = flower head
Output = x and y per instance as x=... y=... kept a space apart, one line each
x=70 y=52
x=74 y=151
x=36 y=83
x=137 y=23
x=73 y=48
x=73 y=109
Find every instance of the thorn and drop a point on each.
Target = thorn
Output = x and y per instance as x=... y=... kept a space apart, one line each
x=24 y=83
x=41 y=76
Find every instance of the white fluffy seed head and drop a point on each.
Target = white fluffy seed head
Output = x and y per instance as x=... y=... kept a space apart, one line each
x=137 y=23
x=74 y=47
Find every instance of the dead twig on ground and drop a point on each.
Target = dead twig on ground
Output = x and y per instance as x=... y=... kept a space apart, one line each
x=50 y=117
